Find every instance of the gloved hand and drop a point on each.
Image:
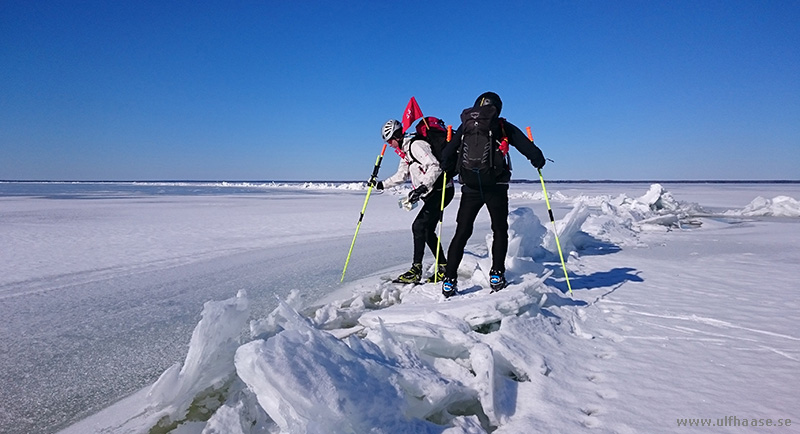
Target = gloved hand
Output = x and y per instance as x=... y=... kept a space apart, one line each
x=378 y=185
x=417 y=193
x=504 y=147
x=539 y=164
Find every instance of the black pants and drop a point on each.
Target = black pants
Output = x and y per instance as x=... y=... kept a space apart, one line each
x=496 y=201
x=424 y=226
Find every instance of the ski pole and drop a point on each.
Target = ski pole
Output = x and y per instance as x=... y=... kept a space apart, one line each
x=441 y=213
x=439 y=241
x=552 y=220
x=371 y=183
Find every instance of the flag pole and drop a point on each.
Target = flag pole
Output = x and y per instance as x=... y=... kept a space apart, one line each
x=552 y=220
x=371 y=183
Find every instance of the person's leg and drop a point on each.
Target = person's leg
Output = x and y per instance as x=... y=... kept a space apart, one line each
x=418 y=234
x=497 y=204
x=468 y=208
x=430 y=236
x=428 y=217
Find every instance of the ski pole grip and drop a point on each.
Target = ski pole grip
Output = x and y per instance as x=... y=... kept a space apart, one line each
x=378 y=163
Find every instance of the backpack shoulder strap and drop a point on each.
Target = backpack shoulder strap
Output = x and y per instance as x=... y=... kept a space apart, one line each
x=414 y=138
x=504 y=139
x=502 y=122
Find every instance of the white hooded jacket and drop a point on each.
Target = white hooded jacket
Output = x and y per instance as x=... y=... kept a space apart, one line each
x=418 y=163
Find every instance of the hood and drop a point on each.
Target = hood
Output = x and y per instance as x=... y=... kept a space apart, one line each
x=489 y=98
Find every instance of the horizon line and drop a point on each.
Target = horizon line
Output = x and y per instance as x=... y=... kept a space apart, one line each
x=513 y=181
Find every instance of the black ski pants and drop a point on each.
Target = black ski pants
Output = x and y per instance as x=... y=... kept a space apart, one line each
x=472 y=200
x=424 y=226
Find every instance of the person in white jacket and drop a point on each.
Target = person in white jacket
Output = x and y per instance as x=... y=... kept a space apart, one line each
x=418 y=164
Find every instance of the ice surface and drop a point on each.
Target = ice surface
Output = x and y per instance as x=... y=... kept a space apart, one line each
x=678 y=312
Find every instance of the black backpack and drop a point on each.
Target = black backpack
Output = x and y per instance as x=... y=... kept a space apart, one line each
x=483 y=151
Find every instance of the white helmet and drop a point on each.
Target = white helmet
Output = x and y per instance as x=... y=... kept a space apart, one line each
x=391 y=130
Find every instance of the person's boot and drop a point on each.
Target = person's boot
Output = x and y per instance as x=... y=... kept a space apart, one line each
x=438 y=276
x=449 y=287
x=411 y=276
x=497 y=280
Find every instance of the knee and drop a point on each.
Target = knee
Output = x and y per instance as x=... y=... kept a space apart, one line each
x=500 y=221
x=418 y=227
x=463 y=232
x=500 y=228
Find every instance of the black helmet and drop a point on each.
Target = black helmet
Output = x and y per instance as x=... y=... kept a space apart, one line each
x=489 y=98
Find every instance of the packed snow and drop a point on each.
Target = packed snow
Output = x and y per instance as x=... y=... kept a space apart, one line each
x=779 y=206
x=683 y=312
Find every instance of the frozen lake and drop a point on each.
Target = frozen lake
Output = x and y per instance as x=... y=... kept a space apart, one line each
x=101 y=284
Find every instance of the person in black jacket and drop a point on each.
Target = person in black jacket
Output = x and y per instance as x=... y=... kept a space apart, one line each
x=485 y=186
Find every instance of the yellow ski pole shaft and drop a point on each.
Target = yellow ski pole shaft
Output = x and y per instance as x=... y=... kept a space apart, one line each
x=364 y=208
x=552 y=220
x=441 y=213
x=439 y=241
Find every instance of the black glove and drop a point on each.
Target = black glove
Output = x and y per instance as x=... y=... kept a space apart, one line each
x=417 y=193
x=378 y=185
x=540 y=164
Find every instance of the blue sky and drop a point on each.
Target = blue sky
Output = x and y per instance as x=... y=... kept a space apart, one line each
x=280 y=90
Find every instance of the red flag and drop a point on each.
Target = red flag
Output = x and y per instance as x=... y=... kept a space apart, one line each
x=412 y=113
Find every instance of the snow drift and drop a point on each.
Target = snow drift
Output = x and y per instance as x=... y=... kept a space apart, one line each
x=779 y=206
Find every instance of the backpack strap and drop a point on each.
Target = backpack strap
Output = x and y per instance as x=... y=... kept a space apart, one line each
x=414 y=138
x=404 y=156
x=410 y=154
x=504 y=140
